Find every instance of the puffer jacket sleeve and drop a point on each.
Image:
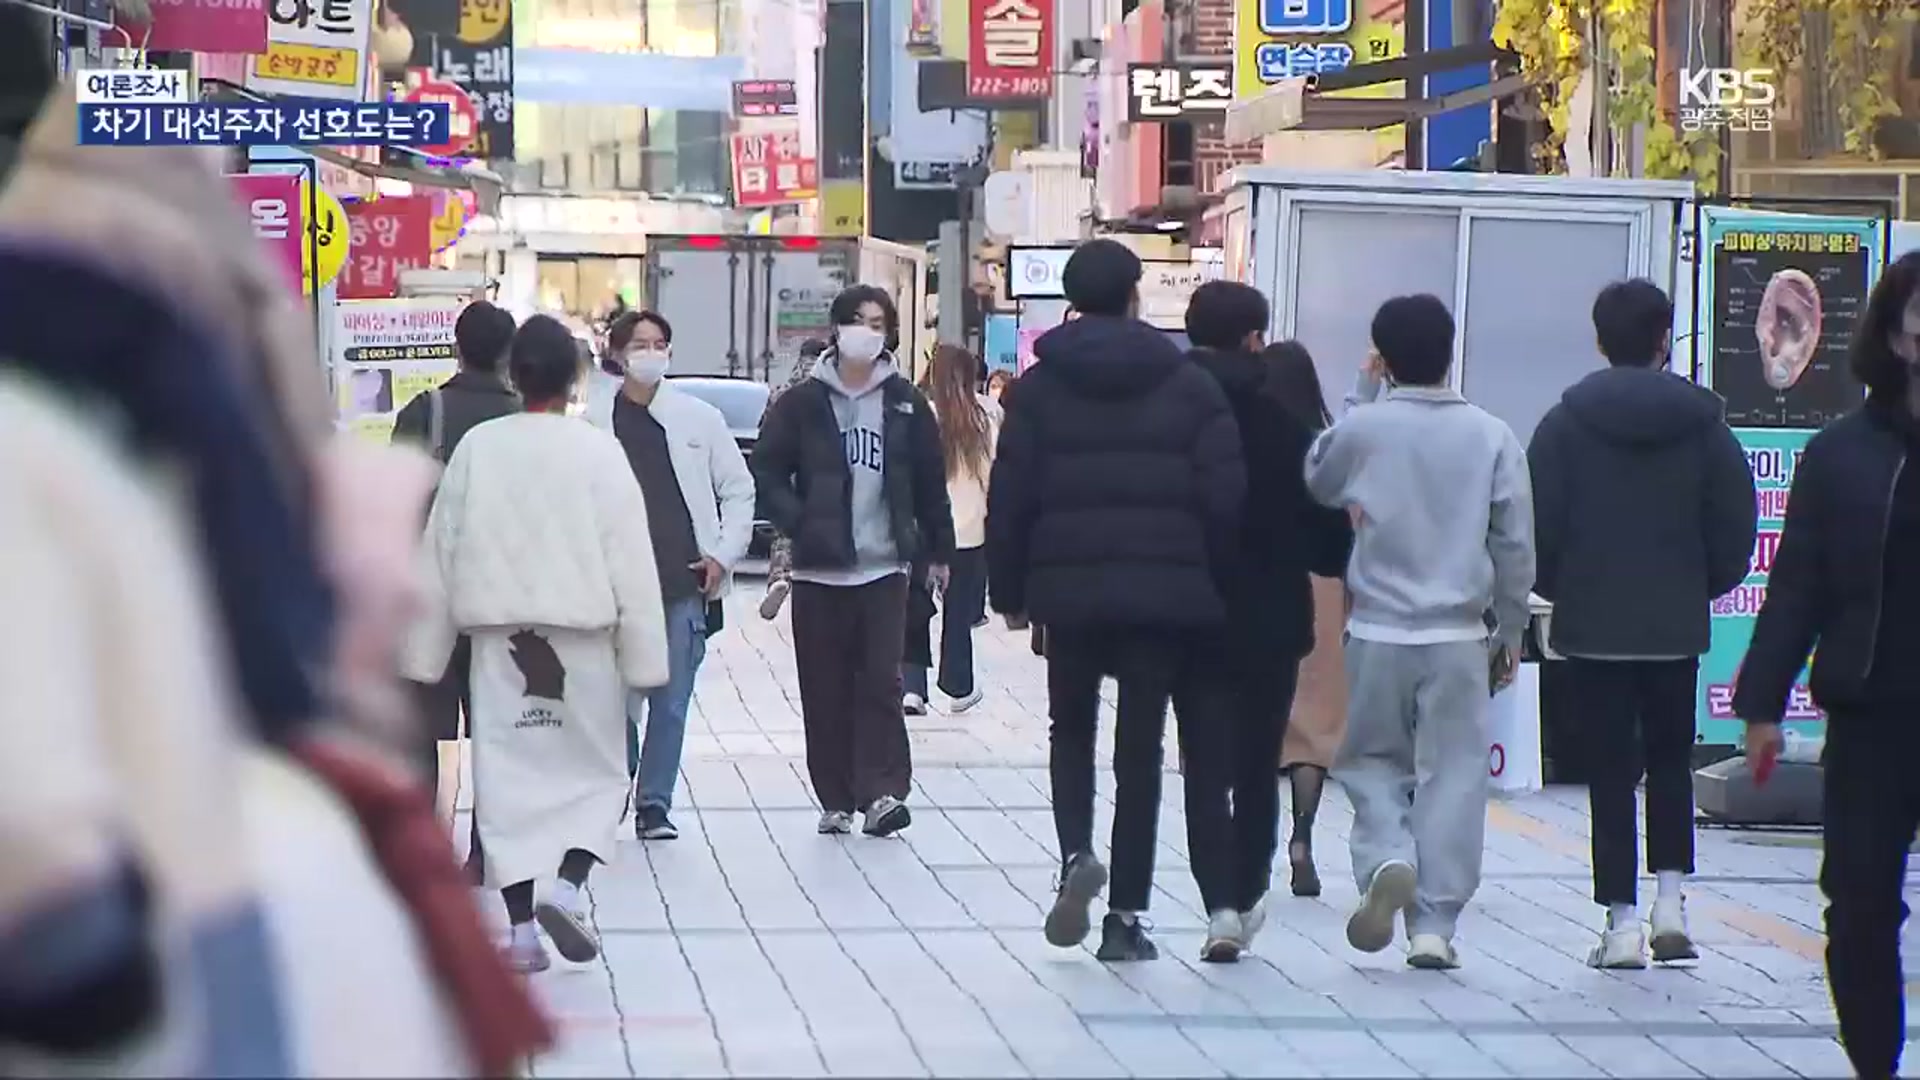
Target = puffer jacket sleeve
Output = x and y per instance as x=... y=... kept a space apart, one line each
x=640 y=635
x=429 y=644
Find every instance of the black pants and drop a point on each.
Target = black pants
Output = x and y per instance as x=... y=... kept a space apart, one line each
x=440 y=706
x=1871 y=811
x=1146 y=664
x=1232 y=711
x=847 y=641
x=963 y=605
x=1629 y=713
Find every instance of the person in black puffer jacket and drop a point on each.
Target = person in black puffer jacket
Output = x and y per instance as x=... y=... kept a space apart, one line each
x=1115 y=495
x=1844 y=588
x=1643 y=516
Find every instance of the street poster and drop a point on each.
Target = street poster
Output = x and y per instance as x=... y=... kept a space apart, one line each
x=385 y=236
x=1778 y=298
x=386 y=353
x=315 y=49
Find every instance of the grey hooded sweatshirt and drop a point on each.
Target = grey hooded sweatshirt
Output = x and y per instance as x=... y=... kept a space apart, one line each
x=862 y=417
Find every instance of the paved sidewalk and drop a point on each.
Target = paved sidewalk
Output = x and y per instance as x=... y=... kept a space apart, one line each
x=753 y=947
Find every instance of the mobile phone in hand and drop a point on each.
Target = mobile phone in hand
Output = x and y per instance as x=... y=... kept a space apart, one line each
x=1499 y=668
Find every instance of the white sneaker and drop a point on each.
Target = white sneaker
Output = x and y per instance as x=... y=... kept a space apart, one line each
x=835 y=823
x=1370 y=928
x=962 y=704
x=525 y=954
x=913 y=705
x=1670 y=938
x=886 y=816
x=1226 y=937
x=1431 y=952
x=570 y=930
x=1251 y=920
x=1620 y=948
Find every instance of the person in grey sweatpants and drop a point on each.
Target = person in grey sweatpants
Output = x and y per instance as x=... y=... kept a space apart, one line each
x=1440 y=582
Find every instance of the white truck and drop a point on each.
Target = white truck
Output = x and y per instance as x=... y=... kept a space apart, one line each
x=742 y=306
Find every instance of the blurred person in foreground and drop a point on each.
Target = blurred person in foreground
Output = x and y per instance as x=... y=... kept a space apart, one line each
x=700 y=512
x=1235 y=698
x=538 y=550
x=1440 y=587
x=1115 y=495
x=242 y=796
x=1318 y=721
x=849 y=467
x=1844 y=589
x=1643 y=510
x=780 y=555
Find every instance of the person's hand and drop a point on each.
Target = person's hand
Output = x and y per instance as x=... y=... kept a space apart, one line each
x=1506 y=667
x=1356 y=515
x=711 y=574
x=1765 y=740
x=1016 y=622
x=937 y=577
x=1375 y=367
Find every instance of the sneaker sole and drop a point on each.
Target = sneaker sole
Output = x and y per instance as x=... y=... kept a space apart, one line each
x=1116 y=957
x=1370 y=928
x=1070 y=919
x=1629 y=963
x=1673 y=945
x=890 y=822
x=534 y=966
x=660 y=832
x=571 y=938
x=1221 y=951
x=770 y=606
x=1431 y=962
x=960 y=705
x=836 y=829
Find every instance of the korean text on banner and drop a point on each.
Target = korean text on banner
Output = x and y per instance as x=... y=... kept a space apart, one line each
x=206 y=26
x=386 y=353
x=1280 y=39
x=385 y=237
x=478 y=58
x=315 y=48
x=1010 y=49
x=277 y=213
x=769 y=169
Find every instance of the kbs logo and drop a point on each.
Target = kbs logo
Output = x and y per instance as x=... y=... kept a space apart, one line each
x=1737 y=99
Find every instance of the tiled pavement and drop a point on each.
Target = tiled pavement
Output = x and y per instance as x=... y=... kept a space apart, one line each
x=753 y=947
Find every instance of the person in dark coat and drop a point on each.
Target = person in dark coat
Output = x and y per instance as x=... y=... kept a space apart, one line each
x=1241 y=689
x=1643 y=516
x=1844 y=588
x=1117 y=487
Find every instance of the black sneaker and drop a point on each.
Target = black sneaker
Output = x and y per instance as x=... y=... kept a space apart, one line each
x=1123 y=940
x=1068 y=922
x=652 y=823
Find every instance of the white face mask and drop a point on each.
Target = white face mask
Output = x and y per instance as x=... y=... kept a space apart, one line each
x=647 y=366
x=859 y=343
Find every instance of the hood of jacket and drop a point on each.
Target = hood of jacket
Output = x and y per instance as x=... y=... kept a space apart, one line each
x=827 y=370
x=1240 y=374
x=1108 y=356
x=1642 y=406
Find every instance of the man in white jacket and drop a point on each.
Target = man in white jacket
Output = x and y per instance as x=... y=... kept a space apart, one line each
x=700 y=511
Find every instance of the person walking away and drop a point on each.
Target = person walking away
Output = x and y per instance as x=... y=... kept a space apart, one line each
x=1318 y=720
x=538 y=549
x=1116 y=490
x=700 y=511
x=1241 y=688
x=969 y=429
x=1433 y=576
x=1643 y=516
x=780 y=555
x=1844 y=589
x=848 y=467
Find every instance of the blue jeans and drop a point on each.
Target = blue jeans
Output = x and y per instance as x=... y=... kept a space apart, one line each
x=657 y=761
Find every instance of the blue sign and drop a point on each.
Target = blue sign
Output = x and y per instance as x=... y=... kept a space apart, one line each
x=255 y=123
x=1003 y=343
x=1276 y=60
x=1281 y=17
x=578 y=77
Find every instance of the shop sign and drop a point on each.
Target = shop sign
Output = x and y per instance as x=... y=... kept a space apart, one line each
x=769 y=169
x=315 y=48
x=385 y=237
x=927 y=175
x=479 y=60
x=765 y=97
x=463 y=125
x=388 y=352
x=1009 y=49
x=1161 y=92
x=1291 y=39
x=276 y=212
x=206 y=26
x=1033 y=273
x=325 y=252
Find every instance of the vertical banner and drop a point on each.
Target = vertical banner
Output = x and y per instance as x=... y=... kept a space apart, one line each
x=1776 y=305
x=1010 y=49
x=315 y=48
x=387 y=352
x=768 y=169
x=277 y=212
x=479 y=59
x=205 y=26
x=385 y=237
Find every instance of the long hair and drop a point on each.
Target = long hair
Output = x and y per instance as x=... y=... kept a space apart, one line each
x=1292 y=380
x=956 y=405
x=1872 y=359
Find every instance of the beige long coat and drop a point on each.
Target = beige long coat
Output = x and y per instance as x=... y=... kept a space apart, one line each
x=1319 y=719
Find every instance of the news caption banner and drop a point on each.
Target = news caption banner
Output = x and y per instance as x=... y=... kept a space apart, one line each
x=139 y=107
x=1743 y=254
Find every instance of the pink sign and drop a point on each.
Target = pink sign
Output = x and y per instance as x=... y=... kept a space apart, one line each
x=273 y=208
x=207 y=26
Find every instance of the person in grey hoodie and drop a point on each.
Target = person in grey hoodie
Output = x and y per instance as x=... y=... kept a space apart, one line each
x=1440 y=583
x=849 y=468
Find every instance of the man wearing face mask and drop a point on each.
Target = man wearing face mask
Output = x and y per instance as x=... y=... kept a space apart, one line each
x=700 y=512
x=850 y=468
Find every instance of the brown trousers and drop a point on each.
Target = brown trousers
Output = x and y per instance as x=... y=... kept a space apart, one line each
x=847 y=641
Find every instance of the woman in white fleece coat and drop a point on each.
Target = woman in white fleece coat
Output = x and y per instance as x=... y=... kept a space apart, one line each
x=538 y=550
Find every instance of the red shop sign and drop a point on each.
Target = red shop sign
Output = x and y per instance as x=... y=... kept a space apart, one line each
x=204 y=26
x=387 y=236
x=277 y=214
x=1009 y=49
x=768 y=169
x=466 y=122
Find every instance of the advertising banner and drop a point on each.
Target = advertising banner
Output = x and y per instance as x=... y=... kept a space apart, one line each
x=205 y=26
x=315 y=49
x=386 y=353
x=769 y=169
x=277 y=212
x=1778 y=298
x=385 y=237
x=479 y=59
x=1009 y=49
x=1280 y=39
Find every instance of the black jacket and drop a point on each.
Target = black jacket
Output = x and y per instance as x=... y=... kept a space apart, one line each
x=1643 y=514
x=1284 y=533
x=1118 y=484
x=806 y=490
x=1825 y=585
x=468 y=400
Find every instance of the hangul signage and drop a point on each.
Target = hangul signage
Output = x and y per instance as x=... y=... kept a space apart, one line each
x=769 y=169
x=479 y=60
x=1161 y=92
x=386 y=236
x=765 y=97
x=462 y=122
x=315 y=48
x=277 y=213
x=1009 y=49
